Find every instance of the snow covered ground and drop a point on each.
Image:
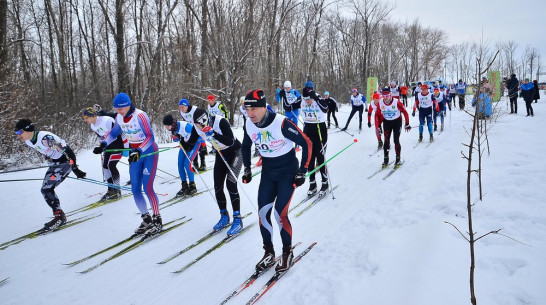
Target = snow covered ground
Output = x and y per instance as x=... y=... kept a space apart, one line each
x=379 y=242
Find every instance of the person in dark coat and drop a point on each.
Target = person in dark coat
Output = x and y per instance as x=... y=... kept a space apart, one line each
x=537 y=91
x=512 y=86
x=528 y=93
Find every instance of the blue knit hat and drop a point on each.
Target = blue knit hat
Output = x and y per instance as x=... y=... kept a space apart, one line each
x=184 y=102
x=309 y=84
x=122 y=100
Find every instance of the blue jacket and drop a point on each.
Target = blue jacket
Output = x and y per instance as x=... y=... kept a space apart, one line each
x=484 y=97
x=528 y=91
x=461 y=88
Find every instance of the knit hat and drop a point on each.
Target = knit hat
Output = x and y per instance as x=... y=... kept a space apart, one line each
x=309 y=84
x=211 y=97
x=255 y=98
x=386 y=90
x=287 y=84
x=424 y=86
x=122 y=100
x=184 y=102
x=376 y=96
x=89 y=112
x=24 y=124
x=355 y=90
x=200 y=116
x=168 y=119
x=326 y=93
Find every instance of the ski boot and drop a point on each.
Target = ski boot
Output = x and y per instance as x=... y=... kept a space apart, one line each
x=379 y=144
x=324 y=188
x=223 y=222
x=145 y=225
x=156 y=226
x=312 y=188
x=385 y=163
x=203 y=167
x=431 y=138
x=59 y=219
x=111 y=194
x=184 y=190
x=192 y=189
x=420 y=137
x=236 y=225
x=268 y=259
x=287 y=259
x=397 y=162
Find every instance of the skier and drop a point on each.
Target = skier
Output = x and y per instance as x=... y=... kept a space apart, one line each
x=461 y=91
x=314 y=117
x=217 y=130
x=389 y=113
x=358 y=101
x=424 y=101
x=291 y=102
x=378 y=130
x=441 y=99
x=404 y=94
x=333 y=107
x=135 y=124
x=395 y=90
x=274 y=135
x=452 y=94
x=61 y=160
x=217 y=108
x=188 y=114
x=186 y=134
x=102 y=125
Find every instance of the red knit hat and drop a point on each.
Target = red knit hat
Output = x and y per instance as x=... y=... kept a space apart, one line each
x=376 y=96
x=211 y=97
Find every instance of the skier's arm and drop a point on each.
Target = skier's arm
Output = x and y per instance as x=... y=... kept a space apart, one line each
x=323 y=104
x=370 y=110
x=403 y=111
x=114 y=133
x=245 y=148
x=365 y=102
x=294 y=134
x=415 y=105
x=297 y=103
x=224 y=110
x=378 y=117
x=226 y=137
x=146 y=127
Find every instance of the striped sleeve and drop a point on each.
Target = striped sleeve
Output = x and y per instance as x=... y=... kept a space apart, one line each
x=144 y=122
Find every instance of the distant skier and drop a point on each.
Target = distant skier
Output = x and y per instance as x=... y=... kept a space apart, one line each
x=217 y=130
x=389 y=113
x=378 y=130
x=217 y=108
x=291 y=102
x=461 y=91
x=358 y=101
x=452 y=92
x=102 y=125
x=274 y=136
x=404 y=94
x=441 y=99
x=185 y=133
x=61 y=160
x=314 y=117
x=333 y=107
x=424 y=101
x=187 y=112
x=135 y=124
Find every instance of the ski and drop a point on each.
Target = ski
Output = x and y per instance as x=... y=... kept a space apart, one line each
x=224 y=241
x=252 y=278
x=319 y=198
x=179 y=199
x=302 y=201
x=273 y=280
x=96 y=205
x=393 y=170
x=135 y=245
x=418 y=142
x=128 y=239
x=195 y=244
x=378 y=171
x=376 y=151
x=429 y=143
x=4 y=280
x=41 y=232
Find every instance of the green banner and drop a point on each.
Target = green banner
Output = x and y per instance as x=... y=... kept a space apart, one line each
x=371 y=87
x=495 y=81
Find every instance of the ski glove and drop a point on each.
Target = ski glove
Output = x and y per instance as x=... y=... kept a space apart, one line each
x=369 y=125
x=299 y=179
x=80 y=174
x=247 y=175
x=413 y=113
x=97 y=107
x=134 y=156
x=407 y=127
x=380 y=130
x=99 y=149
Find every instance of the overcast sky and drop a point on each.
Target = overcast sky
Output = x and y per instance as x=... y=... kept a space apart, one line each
x=501 y=20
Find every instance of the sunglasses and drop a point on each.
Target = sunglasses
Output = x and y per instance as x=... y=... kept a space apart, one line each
x=19 y=132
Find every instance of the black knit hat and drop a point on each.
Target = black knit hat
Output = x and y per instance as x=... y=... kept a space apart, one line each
x=255 y=98
x=168 y=119
x=24 y=124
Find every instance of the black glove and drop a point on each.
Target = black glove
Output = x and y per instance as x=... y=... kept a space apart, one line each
x=366 y=109
x=78 y=172
x=134 y=156
x=407 y=127
x=413 y=113
x=369 y=125
x=99 y=149
x=299 y=179
x=247 y=175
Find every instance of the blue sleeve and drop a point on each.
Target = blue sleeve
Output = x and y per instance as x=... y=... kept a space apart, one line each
x=113 y=135
x=270 y=108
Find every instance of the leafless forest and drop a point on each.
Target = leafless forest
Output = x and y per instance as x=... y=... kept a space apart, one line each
x=59 y=56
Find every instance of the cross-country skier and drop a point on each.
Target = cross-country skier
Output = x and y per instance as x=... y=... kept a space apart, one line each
x=389 y=113
x=274 y=136
x=185 y=133
x=187 y=112
x=291 y=102
x=373 y=107
x=333 y=107
x=135 y=124
x=404 y=94
x=217 y=130
x=395 y=90
x=452 y=92
x=424 y=101
x=314 y=117
x=102 y=125
x=217 y=108
x=61 y=160
x=358 y=102
x=441 y=99
x=461 y=91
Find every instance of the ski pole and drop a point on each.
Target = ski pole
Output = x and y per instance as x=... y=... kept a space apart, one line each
x=157 y=169
x=16 y=180
x=323 y=164
x=156 y=152
x=30 y=168
x=198 y=174
x=213 y=141
x=324 y=152
x=118 y=149
x=103 y=183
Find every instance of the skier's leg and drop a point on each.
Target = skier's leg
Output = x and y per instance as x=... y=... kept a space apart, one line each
x=285 y=190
